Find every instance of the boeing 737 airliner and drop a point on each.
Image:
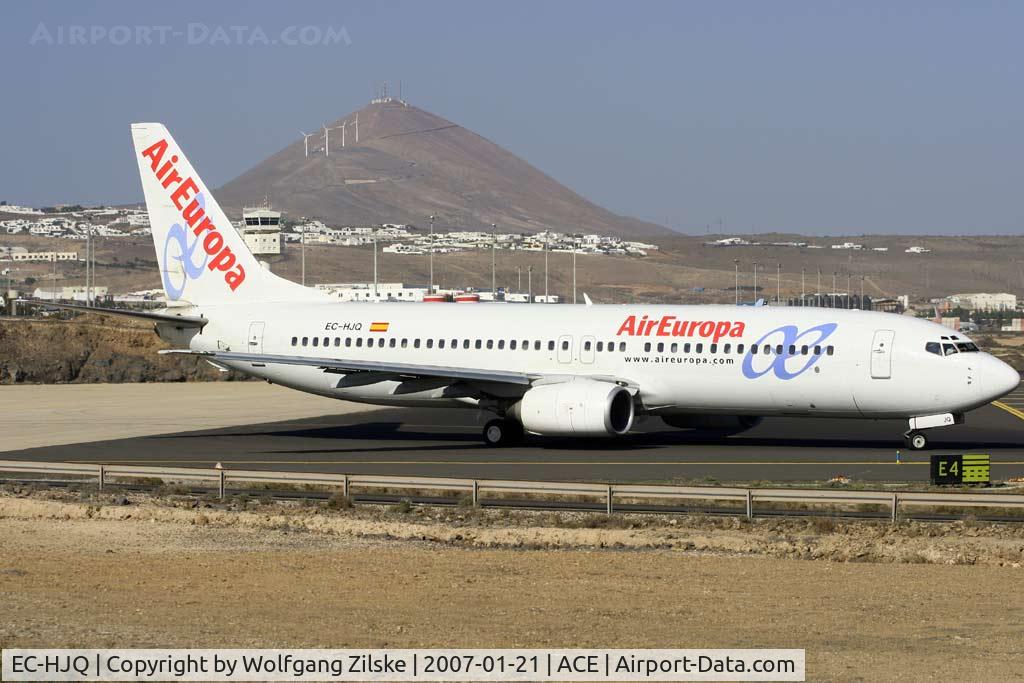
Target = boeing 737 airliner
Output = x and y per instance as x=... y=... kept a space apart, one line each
x=540 y=369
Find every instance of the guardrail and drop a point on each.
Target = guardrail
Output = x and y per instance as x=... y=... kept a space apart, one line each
x=609 y=493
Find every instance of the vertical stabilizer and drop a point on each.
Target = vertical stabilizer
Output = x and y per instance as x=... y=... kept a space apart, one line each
x=202 y=258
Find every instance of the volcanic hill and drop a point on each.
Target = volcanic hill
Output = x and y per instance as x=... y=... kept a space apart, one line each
x=409 y=163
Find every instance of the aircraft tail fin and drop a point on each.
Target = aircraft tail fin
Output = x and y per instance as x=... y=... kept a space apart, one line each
x=202 y=258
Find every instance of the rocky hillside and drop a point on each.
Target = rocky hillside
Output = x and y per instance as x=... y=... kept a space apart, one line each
x=409 y=163
x=90 y=349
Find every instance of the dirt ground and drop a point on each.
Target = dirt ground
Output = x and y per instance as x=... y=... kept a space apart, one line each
x=917 y=602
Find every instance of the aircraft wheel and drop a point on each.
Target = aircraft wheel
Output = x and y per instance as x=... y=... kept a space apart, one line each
x=496 y=433
x=916 y=441
x=502 y=432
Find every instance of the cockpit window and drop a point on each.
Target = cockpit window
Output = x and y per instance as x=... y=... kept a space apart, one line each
x=933 y=347
x=949 y=349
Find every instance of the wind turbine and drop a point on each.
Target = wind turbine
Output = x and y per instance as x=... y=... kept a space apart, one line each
x=357 y=127
x=342 y=126
x=305 y=140
x=327 y=140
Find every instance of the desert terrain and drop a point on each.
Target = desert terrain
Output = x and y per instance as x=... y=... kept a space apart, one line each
x=868 y=601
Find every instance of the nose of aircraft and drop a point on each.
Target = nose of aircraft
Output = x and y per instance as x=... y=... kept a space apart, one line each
x=998 y=378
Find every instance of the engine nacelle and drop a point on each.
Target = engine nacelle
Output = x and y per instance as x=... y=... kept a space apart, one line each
x=580 y=407
x=727 y=424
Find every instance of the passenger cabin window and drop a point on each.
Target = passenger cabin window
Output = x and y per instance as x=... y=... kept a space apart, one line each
x=295 y=341
x=479 y=344
x=830 y=350
x=305 y=341
x=600 y=346
x=416 y=343
x=551 y=346
x=359 y=341
x=586 y=346
x=647 y=346
x=316 y=341
x=565 y=346
x=661 y=347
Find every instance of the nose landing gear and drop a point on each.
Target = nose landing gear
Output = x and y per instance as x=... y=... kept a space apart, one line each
x=915 y=440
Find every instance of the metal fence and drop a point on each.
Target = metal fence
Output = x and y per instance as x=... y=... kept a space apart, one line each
x=477 y=488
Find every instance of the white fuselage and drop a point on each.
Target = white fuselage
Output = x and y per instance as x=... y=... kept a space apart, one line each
x=681 y=359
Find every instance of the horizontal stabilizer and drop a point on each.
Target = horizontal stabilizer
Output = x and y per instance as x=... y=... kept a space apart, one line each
x=163 y=318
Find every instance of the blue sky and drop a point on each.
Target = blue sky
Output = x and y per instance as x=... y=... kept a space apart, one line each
x=817 y=117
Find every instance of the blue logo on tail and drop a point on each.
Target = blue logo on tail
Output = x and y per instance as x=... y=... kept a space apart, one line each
x=178 y=248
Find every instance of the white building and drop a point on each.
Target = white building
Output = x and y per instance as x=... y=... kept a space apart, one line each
x=984 y=301
x=261 y=230
x=76 y=293
x=364 y=291
x=916 y=250
x=44 y=256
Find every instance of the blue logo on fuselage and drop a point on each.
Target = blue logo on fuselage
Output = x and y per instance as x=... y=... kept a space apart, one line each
x=786 y=365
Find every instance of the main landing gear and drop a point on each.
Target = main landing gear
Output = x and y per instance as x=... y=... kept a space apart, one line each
x=502 y=432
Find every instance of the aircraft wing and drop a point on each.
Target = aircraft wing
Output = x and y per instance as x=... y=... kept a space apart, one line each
x=166 y=318
x=395 y=369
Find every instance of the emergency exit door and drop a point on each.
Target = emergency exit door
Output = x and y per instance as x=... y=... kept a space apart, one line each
x=881 y=354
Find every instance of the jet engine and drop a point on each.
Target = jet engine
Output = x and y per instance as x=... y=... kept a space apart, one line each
x=580 y=407
x=720 y=424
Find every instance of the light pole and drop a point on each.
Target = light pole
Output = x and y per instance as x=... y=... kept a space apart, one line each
x=575 y=244
x=375 y=263
x=862 y=293
x=755 y=282
x=803 y=274
x=736 y=286
x=546 y=299
x=848 y=302
x=833 y=289
x=778 y=283
x=494 y=278
x=303 y=240
x=817 y=292
x=519 y=278
x=431 y=287
x=529 y=283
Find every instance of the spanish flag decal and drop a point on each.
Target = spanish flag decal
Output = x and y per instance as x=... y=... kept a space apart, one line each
x=379 y=327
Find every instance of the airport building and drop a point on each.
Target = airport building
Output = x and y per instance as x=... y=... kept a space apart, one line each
x=47 y=256
x=364 y=291
x=261 y=230
x=983 y=301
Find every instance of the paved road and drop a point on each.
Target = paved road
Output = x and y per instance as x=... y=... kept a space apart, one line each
x=447 y=443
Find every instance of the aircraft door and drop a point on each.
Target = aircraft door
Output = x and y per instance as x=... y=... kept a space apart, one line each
x=565 y=349
x=587 y=349
x=256 y=337
x=881 y=354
